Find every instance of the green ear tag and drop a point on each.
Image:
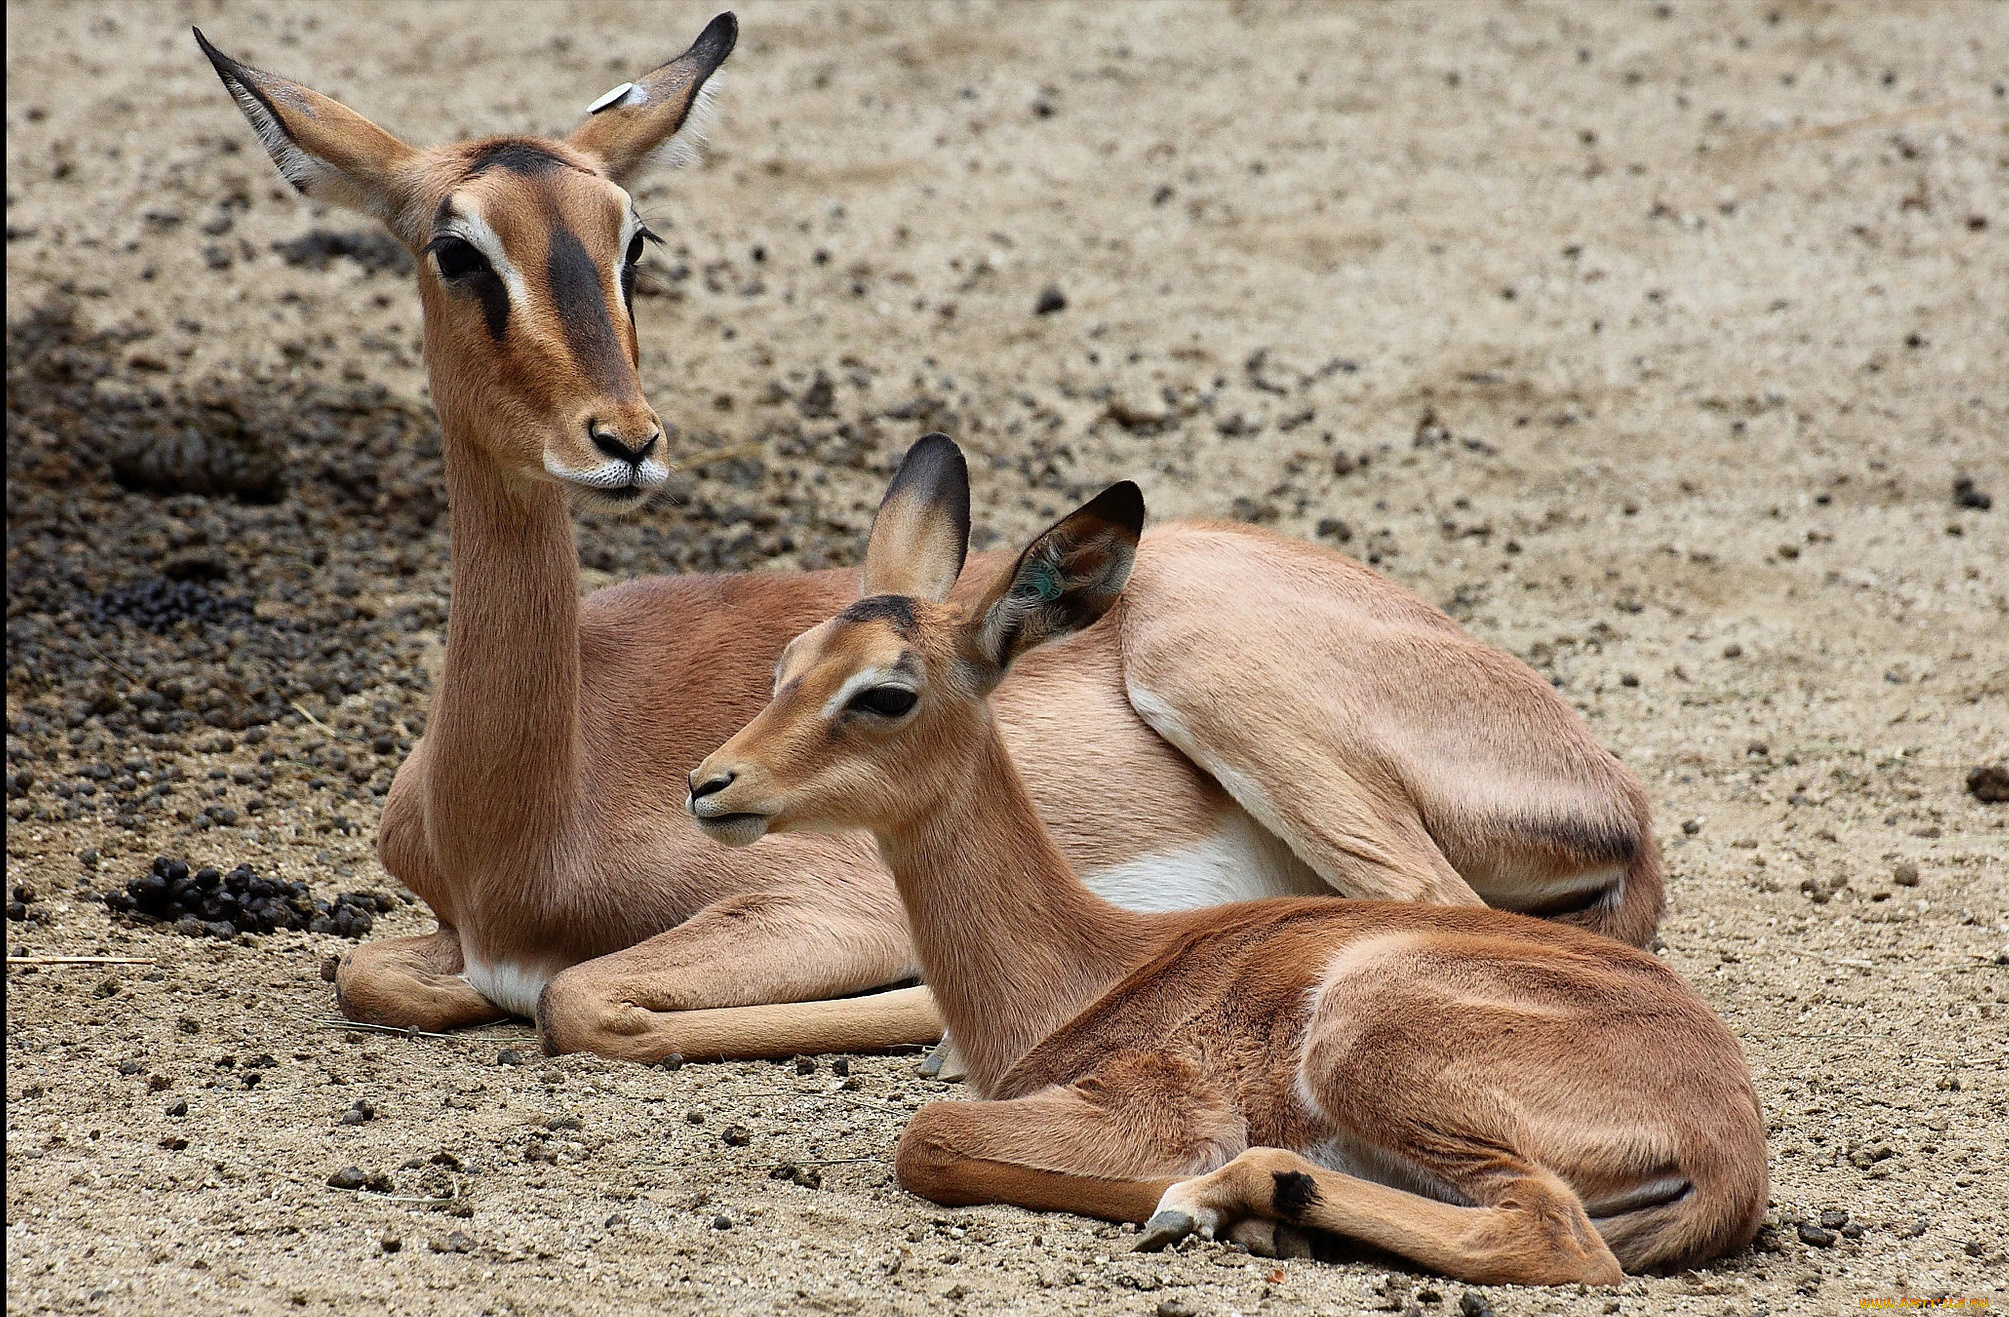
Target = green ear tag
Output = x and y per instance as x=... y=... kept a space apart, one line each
x=1041 y=581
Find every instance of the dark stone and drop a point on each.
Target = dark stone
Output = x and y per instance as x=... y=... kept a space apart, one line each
x=1989 y=783
x=349 y=1177
x=1818 y=1236
x=1051 y=300
x=1965 y=495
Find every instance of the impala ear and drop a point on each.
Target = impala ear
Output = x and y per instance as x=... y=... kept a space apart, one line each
x=922 y=530
x=656 y=120
x=1066 y=579
x=324 y=148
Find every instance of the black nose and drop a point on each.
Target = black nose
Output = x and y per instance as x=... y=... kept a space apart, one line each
x=699 y=790
x=612 y=446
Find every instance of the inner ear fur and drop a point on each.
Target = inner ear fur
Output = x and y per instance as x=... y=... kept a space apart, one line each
x=921 y=533
x=1065 y=580
x=324 y=148
x=653 y=120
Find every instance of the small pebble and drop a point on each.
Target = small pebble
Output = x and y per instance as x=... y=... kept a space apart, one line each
x=178 y=1109
x=1474 y=1304
x=1989 y=783
x=841 y=1067
x=1904 y=874
x=1051 y=299
x=674 y=1061
x=1174 y=1308
x=1966 y=495
x=1834 y=1218
x=1818 y=1236
x=736 y=1136
x=509 y=1056
x=349 y=1177
x=721 y=1223
x=695 y=1117
x=359 y=1113
x=456 y=1242
x=805 y=1065
x=390 y=1243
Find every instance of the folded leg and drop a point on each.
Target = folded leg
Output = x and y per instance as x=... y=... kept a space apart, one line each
x=1107 y=1146
x=758 y=975
x=1527 y=1227
x=411 y=983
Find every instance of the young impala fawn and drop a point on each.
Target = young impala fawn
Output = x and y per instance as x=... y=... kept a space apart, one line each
x=1281 y=719
x=1495 y=1097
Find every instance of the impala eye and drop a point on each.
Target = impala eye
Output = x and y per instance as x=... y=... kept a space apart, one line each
x=635 y=246
x=458 y=258
x=886 y=701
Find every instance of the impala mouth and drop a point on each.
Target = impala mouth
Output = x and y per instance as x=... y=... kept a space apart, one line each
x=734 y=829
x=614 y=482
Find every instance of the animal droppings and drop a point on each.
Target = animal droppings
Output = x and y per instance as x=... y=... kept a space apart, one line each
x=209 y=903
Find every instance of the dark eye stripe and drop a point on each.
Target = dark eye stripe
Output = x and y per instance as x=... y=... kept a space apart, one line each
x=478 y=278
x=582 y=310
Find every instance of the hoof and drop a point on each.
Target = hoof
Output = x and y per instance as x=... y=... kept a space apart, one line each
x=944 y=1063
x=1163 y=1230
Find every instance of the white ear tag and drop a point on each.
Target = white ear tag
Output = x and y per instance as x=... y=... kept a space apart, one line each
x=618 y=96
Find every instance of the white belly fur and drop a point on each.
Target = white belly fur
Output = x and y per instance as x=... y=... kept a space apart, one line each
x=515 y=988
x=1240 y=862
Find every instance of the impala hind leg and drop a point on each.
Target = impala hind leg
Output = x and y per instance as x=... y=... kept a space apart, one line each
x=1397 y=756
x=411 y=983
x=1106 y=1146
x=753 y=976
x=1528 y=1229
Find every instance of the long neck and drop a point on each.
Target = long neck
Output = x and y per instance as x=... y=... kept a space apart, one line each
x=1010 y=941
x=503 y=735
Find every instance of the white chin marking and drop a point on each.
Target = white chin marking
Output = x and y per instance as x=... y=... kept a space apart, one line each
x=610 y=475
x=736 y=829
x=515 y=988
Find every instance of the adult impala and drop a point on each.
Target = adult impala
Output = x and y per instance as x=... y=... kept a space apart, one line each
x=1500 y=1099
x=1272 y=718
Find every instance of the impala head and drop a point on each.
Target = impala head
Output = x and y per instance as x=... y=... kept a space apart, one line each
x=526 y=250
x=879 y=712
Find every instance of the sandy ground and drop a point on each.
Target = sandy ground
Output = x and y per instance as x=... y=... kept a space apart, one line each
x=1648 y=339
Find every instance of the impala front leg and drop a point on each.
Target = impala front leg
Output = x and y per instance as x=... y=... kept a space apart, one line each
x=764 y=975
x=1108 y=1145
x=412 y=983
